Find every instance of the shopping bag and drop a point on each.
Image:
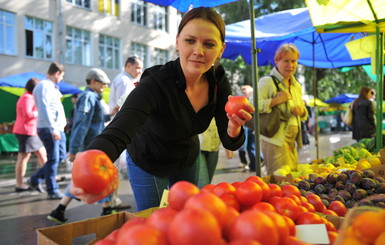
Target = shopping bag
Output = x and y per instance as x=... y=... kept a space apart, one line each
x=348 y=117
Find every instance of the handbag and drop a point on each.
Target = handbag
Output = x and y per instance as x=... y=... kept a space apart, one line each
x=348 y=117
x=270 y=122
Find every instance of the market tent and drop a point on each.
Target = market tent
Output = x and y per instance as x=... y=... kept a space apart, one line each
x=20 y=80
x=342 y=98
x=326 y=50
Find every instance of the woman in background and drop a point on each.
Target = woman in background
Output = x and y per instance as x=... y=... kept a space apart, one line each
x=363 y=125
x=25 y=130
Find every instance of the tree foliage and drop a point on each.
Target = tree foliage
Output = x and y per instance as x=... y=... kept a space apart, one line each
x=330 y=82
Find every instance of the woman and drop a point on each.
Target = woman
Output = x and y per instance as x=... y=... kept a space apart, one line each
x=281 y=149
x=363 y=125
x=25 y=130
x=161 y=118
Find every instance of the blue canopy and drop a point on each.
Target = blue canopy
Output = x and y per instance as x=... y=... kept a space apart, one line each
x=184 y=5
x=20 y=80
x=342 y=98
x=294 y=26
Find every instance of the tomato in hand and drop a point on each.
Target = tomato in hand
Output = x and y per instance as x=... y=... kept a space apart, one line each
x=235 y=104
x=94 y=172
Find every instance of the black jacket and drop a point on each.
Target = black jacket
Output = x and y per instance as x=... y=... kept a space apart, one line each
x=363 y=125
x=159 y=126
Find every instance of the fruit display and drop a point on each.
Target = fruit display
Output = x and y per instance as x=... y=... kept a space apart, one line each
x=248 y=212
x=350 y=187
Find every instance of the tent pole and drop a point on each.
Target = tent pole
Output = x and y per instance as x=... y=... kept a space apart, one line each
x=379 y=80
x=254 y=77
x=315 y=95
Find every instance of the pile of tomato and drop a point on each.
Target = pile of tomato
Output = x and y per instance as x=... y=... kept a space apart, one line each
x=240 y=213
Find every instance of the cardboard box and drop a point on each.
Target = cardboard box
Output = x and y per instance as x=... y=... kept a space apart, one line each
x=379 y=170
x=99 y=227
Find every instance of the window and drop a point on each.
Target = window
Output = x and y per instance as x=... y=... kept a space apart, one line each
x=7 y=32
x=160 y=18
x=160 y=56
x=81 y=3
x=38 y=38
x=111 y=7
x=140 y=50
x=78 y=46
x=139 y=12
x=109 y=52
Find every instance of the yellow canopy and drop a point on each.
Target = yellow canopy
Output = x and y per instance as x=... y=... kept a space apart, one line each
x=347 y=15
x=317 y=102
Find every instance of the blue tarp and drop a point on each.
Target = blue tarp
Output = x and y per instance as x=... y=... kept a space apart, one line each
x=342 y=98
x=293 y=26
x=184 y=5
x=20 y=80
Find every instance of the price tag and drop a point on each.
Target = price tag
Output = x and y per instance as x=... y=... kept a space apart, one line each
x=164 y=200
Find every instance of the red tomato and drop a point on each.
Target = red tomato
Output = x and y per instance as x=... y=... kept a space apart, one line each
x=263 y=206
x=253 y=224
x=236 y=184
x=295 y=198
x=308 y=206
x=330 y=212
x=231 y=216
x=94 y=172
x=133 y=222
x=287 y=206
x=281 y=226
x=290 y=223
x=104 y=242
x=316 y=201
x=265 y=188
x=235 y=104
x=112 y=236
x=332 y=237
x=338 y=207
x=179 y=193
x=162 y=218
x=210 y=202
x=222 y=188
x=309 y=218
x=249 y=193
x=275 y=190
x=329 y=225
x=273 y=199
x=292 y=240
x=194 y=226
x=208 y=188
x=141 y=234
x=244 y=242
x=231 y=201
x=290 y=189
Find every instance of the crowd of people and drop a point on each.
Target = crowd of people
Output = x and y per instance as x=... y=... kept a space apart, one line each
x=167 y=123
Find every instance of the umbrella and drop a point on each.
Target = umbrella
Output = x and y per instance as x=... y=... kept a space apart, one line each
x=317 y=102
x=341 y=16
x=184 y=5
x=342 y=98
x=20 y=80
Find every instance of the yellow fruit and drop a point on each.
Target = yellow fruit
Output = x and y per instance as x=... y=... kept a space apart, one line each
x=363 y=165
x=374 y=161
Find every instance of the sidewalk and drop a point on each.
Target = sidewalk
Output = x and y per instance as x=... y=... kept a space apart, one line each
x=22 y=213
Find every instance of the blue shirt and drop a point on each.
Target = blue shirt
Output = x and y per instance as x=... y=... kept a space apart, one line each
x=88 y=122
x=50 y=109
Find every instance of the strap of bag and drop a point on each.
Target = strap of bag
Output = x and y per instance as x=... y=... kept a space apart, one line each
x=276 y=81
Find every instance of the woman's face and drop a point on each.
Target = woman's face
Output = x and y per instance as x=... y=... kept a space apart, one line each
x=287 y=65
x=199 y=45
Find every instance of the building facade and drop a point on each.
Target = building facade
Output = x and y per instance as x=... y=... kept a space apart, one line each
x=82 y=34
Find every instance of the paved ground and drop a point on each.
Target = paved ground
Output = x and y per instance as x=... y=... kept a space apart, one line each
x=22 y=213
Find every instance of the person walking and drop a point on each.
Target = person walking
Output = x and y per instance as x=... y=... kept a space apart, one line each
x=125 y=81
x=25 y=130
x=161 y=118
x=281 y=149
x=50 y=127
x=88 y=122
x=363 y=123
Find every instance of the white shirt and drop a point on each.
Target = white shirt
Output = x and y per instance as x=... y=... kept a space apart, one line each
x=121 y=85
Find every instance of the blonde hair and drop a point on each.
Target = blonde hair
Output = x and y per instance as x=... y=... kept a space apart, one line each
x=285 y=48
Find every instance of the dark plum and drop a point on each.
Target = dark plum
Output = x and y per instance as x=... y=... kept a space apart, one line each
x=368 y=184
x=339 y=198
x=339 y=185
x=345 y=194
x=302 y=192
x=365 y=202
x=350 y=203
x=332 y=178
x=328 y=186
x=380 y=204
x=380 y=188
x=359 y=194
x=325 y=202
x=312 y=177
x=319 y=180
x=379 y=178
x=333 y=193
x=320 y=189
x=368 y=173
x=303 y=184
x=350 y=187
x=355 y=178
x=325 y=196
x=343 y=177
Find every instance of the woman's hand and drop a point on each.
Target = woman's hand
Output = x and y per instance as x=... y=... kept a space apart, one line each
x=282 y=97
x=236 y=122
x=79 y=193
x=298 y=110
